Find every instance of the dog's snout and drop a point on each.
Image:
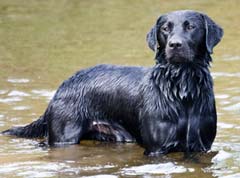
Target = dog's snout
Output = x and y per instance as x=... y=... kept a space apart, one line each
x=177 y=49
x=175 y=43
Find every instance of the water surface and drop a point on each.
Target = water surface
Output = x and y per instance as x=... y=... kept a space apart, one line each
x=45 y=42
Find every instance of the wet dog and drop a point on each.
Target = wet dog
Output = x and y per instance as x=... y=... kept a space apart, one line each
x=166 y=108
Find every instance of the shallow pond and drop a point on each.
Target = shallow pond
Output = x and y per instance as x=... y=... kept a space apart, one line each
x=44 y=42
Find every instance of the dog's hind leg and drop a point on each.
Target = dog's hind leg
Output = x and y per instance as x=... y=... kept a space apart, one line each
x=65 y=126
x=108 y=132
x=66 y=132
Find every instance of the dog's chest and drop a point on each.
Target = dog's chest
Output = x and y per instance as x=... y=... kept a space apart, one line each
x=182 y=83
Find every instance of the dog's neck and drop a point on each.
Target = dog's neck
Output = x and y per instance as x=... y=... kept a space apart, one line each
x=182 y=81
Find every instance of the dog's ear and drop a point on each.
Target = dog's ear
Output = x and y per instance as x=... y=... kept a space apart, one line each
x=152 y=39
x=213 y=32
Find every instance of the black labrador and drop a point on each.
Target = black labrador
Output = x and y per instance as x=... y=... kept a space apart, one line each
x=166 y=108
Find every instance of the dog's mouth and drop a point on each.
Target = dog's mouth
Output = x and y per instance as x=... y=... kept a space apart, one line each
x=178 y=56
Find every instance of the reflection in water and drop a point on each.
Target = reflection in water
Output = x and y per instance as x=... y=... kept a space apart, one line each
x=44 y=42
x=17 y=93
x=12 y=80
x=43 y=93
x=164 y=168
x=21 y=108
x=10 y=100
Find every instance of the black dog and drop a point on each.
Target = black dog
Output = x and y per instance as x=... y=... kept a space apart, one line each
x=169 y=107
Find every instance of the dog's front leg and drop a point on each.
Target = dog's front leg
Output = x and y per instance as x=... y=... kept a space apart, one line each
x=158 y=135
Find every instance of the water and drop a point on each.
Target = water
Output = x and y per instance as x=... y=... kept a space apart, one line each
x=44 y=42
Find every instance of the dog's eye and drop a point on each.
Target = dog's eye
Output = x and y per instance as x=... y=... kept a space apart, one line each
x=165 y=29
x=190 y=27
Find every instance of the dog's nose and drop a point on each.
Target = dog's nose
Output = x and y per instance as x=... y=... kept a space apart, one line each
x=175 y=43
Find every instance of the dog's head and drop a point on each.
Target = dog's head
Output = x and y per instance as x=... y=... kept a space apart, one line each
x=184 y=36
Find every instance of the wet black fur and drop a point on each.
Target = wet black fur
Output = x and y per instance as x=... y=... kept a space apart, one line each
x=165 y=108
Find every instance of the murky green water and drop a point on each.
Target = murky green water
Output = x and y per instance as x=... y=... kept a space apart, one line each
x=44 y=42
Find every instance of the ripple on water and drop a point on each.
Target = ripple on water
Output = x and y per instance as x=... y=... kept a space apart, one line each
x=232 y=58
x=14 y=96
x=11 y=99
x=225 y=74
x=222 y=164
x=47 y=169
x=221 y=156
x=163 y=168
x=2 y=123
x=18 y=80
x=31 y=169
x=224 y=102
x=18 y=93
x=222 y=96
x=233 y=146
x=2 y=92
x=45 y=93
x=232 y=107
x=224 y=125
x=101 y=176
x=21 y=108
x=231 y=176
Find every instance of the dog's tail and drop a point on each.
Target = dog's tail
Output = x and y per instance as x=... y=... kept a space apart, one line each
x=36 y=129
